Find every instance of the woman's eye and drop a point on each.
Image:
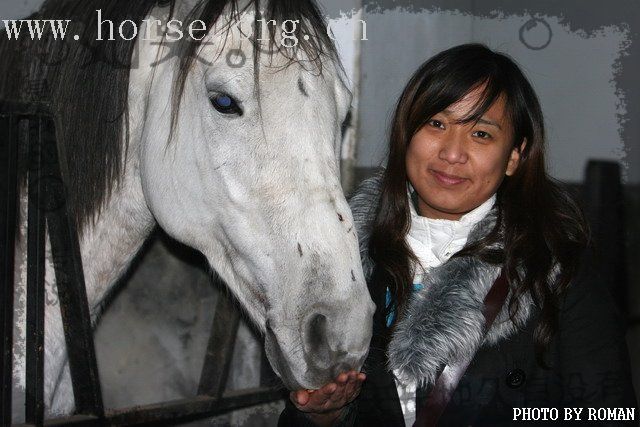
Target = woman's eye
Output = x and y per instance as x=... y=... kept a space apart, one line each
x=436 y=123
x=482 y=134
x=225 y=104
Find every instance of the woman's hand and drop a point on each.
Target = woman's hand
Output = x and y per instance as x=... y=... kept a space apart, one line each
x=325 y=405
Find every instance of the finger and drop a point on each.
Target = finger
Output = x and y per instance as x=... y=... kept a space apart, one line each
x=342 y=378
x=358 y=376
x=302 y=397
x=351 y=378
x=326 y=391
x=352 y=386
x=356 y=385
x=321 y=400
x=337 y=399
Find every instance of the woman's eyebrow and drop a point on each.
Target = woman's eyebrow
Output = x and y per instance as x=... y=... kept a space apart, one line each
x=482 y=120
x=489 y=122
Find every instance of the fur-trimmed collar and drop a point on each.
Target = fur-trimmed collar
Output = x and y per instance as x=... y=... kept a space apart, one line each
x=443 y=321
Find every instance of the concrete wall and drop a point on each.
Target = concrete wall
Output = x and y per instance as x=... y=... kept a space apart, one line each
x=579 y=55
x=10 y=9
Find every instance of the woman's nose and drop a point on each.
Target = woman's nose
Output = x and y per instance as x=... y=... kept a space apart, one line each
x=453 y=149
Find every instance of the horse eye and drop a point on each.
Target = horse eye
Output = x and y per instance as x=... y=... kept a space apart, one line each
x=225 y=104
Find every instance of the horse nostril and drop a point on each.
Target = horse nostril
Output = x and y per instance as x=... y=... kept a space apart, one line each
x=316 y=342
x=316 y=331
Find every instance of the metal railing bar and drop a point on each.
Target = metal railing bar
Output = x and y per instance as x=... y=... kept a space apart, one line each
x=70 y=283
x=34 y=400
x=171 y=412
x=16 y=108
x=192 y=409
x=8 y=224
x=72 y=420
x=217 y=360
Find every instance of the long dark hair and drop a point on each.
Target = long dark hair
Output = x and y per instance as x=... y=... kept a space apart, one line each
x=85 y=82
x=539 y=226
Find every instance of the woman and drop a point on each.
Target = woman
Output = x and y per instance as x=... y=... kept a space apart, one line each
x=464 y=197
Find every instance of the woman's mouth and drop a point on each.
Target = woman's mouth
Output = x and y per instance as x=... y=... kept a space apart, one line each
x=445 y=179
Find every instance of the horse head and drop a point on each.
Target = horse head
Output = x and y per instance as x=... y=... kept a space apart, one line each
x=240 y=160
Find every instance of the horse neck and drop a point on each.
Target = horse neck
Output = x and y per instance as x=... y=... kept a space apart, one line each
x=110 y=243
x=107 y=246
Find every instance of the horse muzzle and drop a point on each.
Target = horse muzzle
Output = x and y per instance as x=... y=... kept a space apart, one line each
x=320 y=348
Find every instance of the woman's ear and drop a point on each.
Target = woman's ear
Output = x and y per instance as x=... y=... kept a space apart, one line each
x=514 y=158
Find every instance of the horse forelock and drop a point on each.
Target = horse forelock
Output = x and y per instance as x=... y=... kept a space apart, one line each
x=312 y=50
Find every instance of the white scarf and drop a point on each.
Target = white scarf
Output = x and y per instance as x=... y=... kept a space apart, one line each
x=434 y=241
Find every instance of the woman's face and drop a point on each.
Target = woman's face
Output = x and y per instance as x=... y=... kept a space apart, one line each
x=455 y=167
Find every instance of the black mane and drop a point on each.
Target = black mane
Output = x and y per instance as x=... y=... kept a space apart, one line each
x=85 y=82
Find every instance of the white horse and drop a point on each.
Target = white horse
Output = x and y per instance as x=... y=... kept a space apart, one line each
x=239 y=162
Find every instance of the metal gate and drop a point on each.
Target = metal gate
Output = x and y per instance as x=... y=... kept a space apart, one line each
x=28 y=140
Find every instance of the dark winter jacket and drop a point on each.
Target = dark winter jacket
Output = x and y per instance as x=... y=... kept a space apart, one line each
x=587 y=358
